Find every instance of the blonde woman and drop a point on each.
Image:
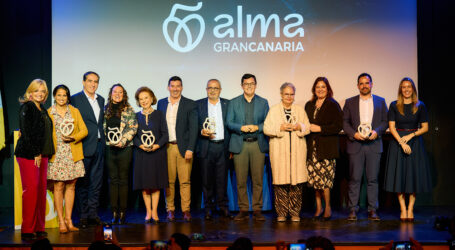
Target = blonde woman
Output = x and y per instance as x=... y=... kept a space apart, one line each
x=407 y=168
x=33 y=149
x=66 y=165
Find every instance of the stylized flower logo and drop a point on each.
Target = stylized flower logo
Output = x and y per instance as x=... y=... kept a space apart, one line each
x=182 y=26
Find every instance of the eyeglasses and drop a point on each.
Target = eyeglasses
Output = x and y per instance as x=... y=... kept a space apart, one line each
x=212 y=88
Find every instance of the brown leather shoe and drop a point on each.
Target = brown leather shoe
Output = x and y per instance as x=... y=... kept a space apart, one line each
x=372 y=215
x=170 y=216
x=258 y=216
x=352 y=216
x=187 y=216
x=242 y=215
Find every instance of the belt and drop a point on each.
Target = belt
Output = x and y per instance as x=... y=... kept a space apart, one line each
x=217 y=141
x=250 y=139
x=173 y=142
x=407 y=130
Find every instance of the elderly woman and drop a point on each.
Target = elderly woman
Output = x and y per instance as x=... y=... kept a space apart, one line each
x=33 y=150
x=118 y=114
x=66 y=165
x=407 y=168
x=150 y=161
x=287 y=124
x=326 y=120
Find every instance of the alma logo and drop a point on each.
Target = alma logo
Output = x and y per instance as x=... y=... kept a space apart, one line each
x=182 y=26
x=238 y=26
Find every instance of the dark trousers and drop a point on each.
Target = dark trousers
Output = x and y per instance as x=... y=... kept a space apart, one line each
x=370 y=161
x=118 y=161
x=34 y=181
x=214 y=176
x=88 y=187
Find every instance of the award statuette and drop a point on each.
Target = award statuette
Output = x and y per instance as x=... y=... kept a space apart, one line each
x=147 y=138
x=114 y=135
x=67 y=126
x=364 y=129
x=210 y=125
x=291 y=119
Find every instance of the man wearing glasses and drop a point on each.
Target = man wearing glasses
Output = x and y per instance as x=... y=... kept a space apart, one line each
x=212 y=149
x=245 y=120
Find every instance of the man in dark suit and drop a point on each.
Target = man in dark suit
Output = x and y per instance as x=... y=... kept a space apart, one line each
x=245 y=120
x=181 y=118
x=91 y=107
x=212 y=149
x=364 y=150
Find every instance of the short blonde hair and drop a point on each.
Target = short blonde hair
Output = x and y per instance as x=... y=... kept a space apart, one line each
x=34 y=85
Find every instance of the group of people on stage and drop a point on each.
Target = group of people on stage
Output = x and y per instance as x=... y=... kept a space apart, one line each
x=72 y=141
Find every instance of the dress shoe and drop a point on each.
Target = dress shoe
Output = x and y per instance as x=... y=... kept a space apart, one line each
x=326 y=218
x=170 y=215
x=70 y=226
x=225 y=213
x=372 y=215
x=281 y=219
x=242 y=215
x=122 y=218
x=27 y=236
x=83 y=223
x=154 y=221
x=187 y=216
x=295 y=218
x=114 y=218
x=62 y=227
x=317 y=216
x=95 y=221
x=257 y=215
x=41 y=234
x=352 y=216
x=410 y=216
x=208 y=215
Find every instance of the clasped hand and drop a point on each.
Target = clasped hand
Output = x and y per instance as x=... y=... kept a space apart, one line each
x=249 y=128
x=290 y=127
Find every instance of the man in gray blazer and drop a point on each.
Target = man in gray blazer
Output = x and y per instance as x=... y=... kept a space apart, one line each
x=364 y=150
x=245 y=119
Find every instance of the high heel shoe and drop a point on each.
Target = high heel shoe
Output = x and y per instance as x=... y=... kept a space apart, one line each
x=317 y=217
x=62 y=227
x=410 y=218
x=122 y=218
x=71 y=227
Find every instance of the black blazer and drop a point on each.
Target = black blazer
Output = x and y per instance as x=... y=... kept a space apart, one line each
x=351 y=120
x=89 y=143
x=203 y=142
x=330 y=119
x=186 y=124
x=31 y=125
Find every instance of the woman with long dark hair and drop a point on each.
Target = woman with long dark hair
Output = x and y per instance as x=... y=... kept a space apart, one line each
x=407 y=168
x=66 y=165
x=33 y=149
x=326 y=122
x=120 y=126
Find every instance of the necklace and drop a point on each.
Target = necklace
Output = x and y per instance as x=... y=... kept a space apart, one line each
x=146 y=113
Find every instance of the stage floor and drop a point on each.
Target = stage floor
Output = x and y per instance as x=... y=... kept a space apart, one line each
x=222 y=232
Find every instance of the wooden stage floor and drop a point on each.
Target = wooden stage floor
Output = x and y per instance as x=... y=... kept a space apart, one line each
x=222 y=232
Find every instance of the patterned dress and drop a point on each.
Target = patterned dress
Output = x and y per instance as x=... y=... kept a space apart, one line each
x=63 y=168
x=320 y=173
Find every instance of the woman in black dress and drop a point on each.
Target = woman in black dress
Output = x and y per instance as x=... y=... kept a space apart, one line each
x=150 y=162
x=407 y=168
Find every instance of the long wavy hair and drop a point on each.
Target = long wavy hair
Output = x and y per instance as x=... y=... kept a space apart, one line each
x=400 y=99
x=108 y=110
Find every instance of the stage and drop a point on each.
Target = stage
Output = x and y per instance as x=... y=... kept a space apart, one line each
x=221 y=232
